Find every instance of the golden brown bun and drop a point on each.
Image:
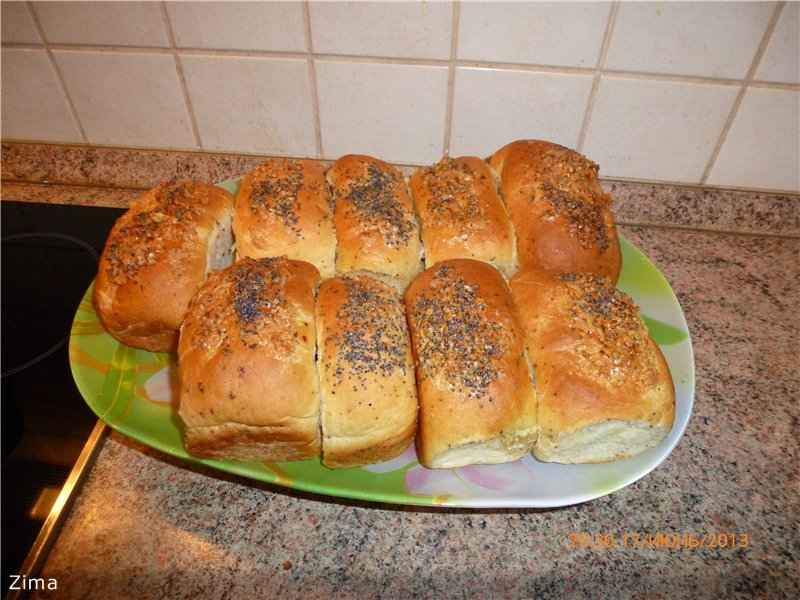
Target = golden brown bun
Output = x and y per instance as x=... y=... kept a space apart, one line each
x=562 y=217
x=605 y=391
x=283 y=208
x=477 y=402
x=156 y=257
x=376 y=228
x=369 y=397
x=462 y=215
x=249 y=386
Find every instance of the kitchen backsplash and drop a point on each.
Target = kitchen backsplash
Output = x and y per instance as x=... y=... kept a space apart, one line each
x=683 y=92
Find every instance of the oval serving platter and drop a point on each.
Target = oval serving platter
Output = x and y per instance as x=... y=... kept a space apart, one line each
x=135 y=393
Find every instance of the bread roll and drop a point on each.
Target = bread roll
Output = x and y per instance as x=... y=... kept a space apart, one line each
x=462 y=215
x=605 y=391
x=156 y=257
x=369 y=396
x=248 y=383
x=283 y=208
x=562 y=217
x=476 y=396
x=376 y=228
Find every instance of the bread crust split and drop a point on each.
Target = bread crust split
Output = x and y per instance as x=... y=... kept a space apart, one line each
x=249 y=389
x=605 y=391
x=376 y=228
x=369 y=395
x=461 y=214
x=477 y=401
x=562 y=217
x=283 y=208
x=156 y=257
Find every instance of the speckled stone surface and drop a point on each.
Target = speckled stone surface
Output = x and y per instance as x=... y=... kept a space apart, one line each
x=146 y=525
x=710 y=209
x=113 y=177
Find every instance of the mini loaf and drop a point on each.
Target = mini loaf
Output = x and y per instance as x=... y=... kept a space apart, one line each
x=249 y=388
x=605 y=391
x=462 y=215
x=283 y=208
x=376 y=228
x=476 y=396
x=369 y=396
x=156 y=257
x=562 y=217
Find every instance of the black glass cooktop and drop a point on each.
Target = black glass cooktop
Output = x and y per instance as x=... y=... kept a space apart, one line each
x=49 y=257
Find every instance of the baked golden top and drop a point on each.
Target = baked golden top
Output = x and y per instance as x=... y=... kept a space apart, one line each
x=375 y=341
x=160 y=221
x=454 y=192
x=586 y=317
x=276 y=186
x=564 y=184
x=245 y=304
x=609 y=317
x=372 y=190
x=458 y=337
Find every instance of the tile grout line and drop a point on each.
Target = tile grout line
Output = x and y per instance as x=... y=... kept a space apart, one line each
x=745 y=85
x=523 y=67
x=312 y=75
x=451 y=78
x=598 y=74
x=54 y=65
x=187 y=100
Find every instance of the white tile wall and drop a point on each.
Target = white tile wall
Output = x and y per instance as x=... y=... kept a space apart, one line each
x=685 y=92
x=400 y=29
x=102 y=23
x=33 y=105
x=262 y=104
x=267 y=26
x=781 y=61
x=767 y=118
x=568 y=34
x=396 y=112
x=492 y=107
x=704 y=39
x=127 y=99
x=17 y=24
x=667 y=128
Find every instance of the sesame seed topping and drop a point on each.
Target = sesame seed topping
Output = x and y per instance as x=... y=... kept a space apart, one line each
x=458 y=341
x=373 y=195
x=159 y=218
x=572 y=192
x=245 y=301
x=276 y=187
x=375 y=337
x=453 y=191
x=611 y=319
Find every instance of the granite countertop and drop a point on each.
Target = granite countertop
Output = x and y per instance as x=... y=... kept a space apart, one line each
x=147 y=525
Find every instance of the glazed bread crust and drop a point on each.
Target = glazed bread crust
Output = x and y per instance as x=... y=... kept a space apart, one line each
x=476 y=396
x=248 y=384
x=283 y=208
x=562 y=217
x=156 y=257
x=605 y=391
x=461 y=214
x=369 y=396
x=376 y=227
